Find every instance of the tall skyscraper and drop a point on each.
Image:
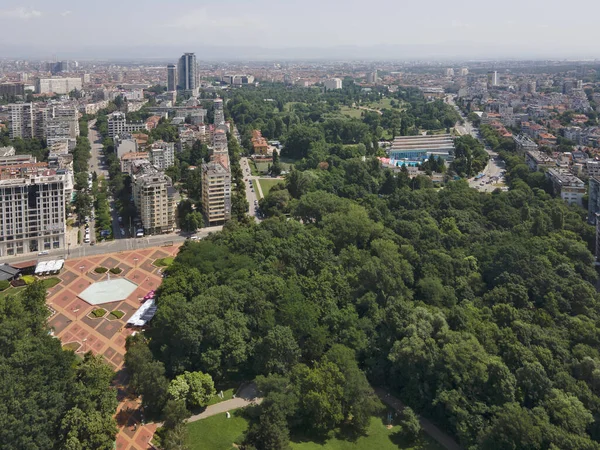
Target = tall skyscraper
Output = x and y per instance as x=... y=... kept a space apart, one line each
x=186 y=71
x=171 y=78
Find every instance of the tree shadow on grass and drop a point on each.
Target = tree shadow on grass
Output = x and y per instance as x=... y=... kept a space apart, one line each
x=399 y=439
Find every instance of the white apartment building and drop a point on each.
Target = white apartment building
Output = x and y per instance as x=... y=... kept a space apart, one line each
x=32 y=213
x=117 y=125
x=332 y=83
x=219 y=118
x=58 y=85
x=63 y=127
x=570 y=188
x=216 y=189
x=162 y=155
x=155 y=198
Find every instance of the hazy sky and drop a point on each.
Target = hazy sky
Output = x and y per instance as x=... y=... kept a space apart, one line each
x=430 y=27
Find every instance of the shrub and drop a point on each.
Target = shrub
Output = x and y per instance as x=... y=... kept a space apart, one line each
x=28 y=279
x=116 y=270
x=164 y=262
x=100 y=270
x=98 y=312
x=4 y=284
x=117 y=314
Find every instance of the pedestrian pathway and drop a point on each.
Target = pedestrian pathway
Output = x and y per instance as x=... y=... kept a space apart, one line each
x=246 y=396
x=432 y=430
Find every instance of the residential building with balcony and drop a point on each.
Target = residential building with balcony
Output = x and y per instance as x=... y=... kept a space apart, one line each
x=216 y=189
x=566 y=185
x=155 y=198
x=32 y=210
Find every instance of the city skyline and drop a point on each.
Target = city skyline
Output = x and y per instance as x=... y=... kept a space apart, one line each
x=318 y=30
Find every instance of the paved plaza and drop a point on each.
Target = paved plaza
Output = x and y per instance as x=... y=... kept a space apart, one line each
x=73 y=324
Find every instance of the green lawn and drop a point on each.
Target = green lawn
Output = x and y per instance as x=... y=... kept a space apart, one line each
x=262 y=168
x=379 y=437
x=266 y=185
x=351 y=112
x=216 y=432
x=164 y=262
x=227 y=395
x=12 y=291
x=220 y=433
x=50 y=282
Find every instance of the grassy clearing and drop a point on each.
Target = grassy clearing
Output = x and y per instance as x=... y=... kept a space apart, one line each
x=290 y=105
x=227 y=395
x=266 y=185
x=217 y=432
x=11 y=291
x=379 y=437
x=354 y=113
x=220 y=433
x=253 y=169
x=262 y=167
x=164 y=262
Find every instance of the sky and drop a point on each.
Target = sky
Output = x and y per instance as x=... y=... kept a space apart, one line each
x=390 y=29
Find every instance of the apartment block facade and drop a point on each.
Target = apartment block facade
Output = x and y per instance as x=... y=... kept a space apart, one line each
x=216 y=189
x=117 y=125
x=162 y=155
x=32 y=211
x=155 y=198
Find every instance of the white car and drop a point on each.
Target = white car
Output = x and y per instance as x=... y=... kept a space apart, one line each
x=44 y=252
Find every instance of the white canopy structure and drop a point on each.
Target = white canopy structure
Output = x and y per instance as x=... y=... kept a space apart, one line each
x=144 y=314
x=49 y=267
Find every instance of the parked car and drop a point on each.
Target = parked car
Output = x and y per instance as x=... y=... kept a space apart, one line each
x=43 y=252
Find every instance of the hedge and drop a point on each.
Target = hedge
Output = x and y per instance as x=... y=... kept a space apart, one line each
x=117 y=314
x=100 y=270
x=98 y=312
x=116 y=270
x=28 y=279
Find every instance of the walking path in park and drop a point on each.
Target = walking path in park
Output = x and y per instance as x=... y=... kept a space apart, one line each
x=246 y=396
x=438 y=435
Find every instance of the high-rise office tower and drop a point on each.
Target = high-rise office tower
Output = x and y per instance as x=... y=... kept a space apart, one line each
x=171 y=78
x=186 y=71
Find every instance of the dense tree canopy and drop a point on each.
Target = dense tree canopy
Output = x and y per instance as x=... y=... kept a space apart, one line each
x=47 y=398
x=479 y=310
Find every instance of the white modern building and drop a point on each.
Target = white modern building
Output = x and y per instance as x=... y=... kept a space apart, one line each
x=117 y=125
x=58 y=85
x=332 y=83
